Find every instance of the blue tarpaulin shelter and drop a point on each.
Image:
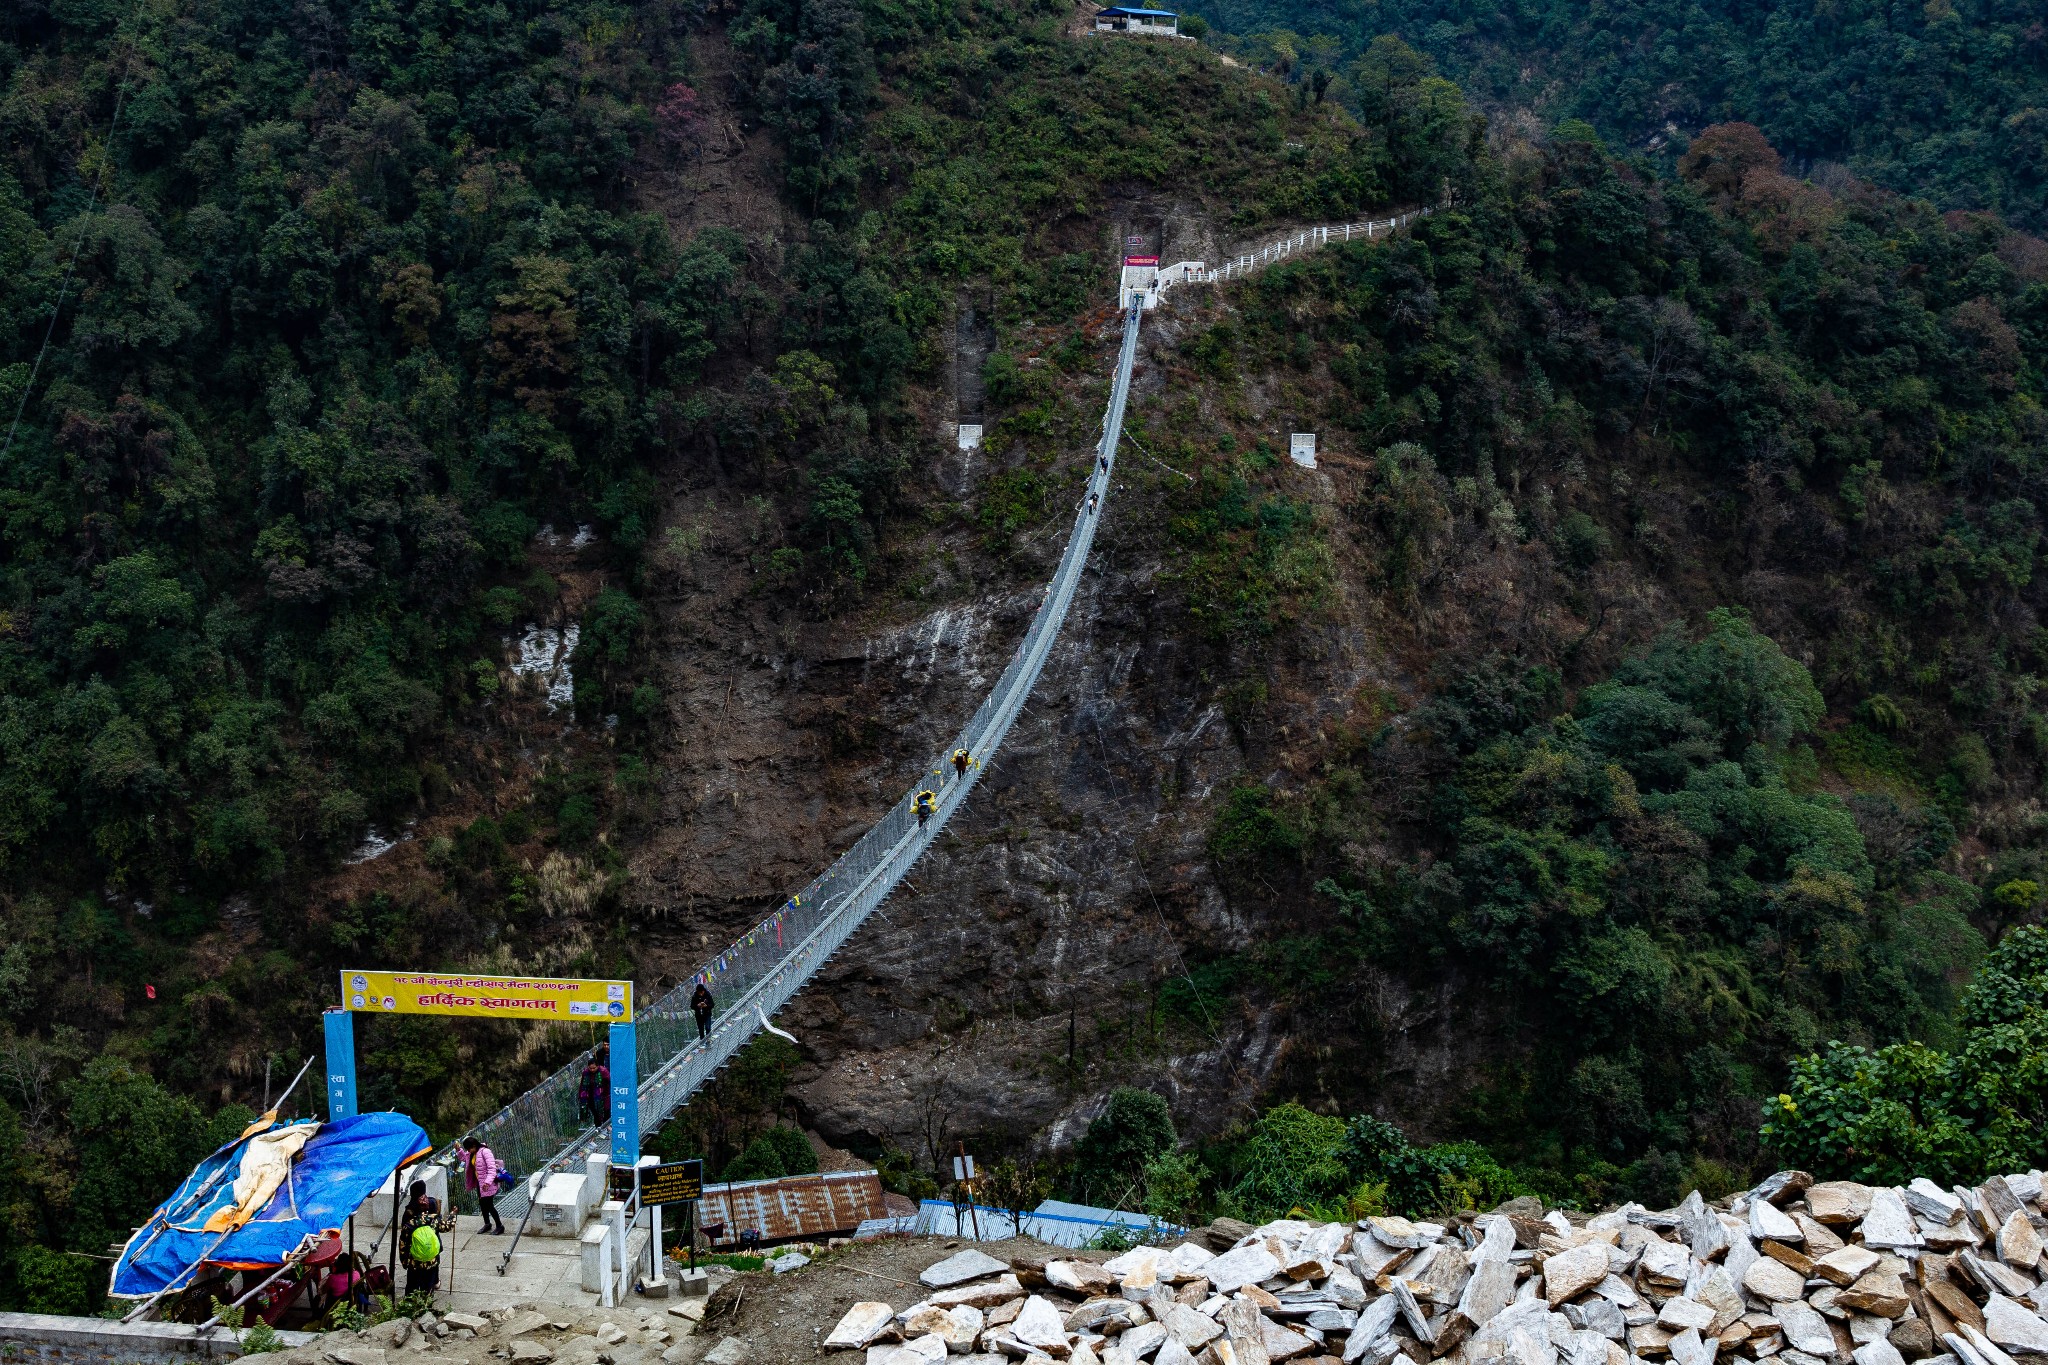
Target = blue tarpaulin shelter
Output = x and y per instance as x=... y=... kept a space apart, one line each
x=308 y=1176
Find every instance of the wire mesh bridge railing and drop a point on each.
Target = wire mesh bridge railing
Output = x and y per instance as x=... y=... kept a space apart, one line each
x=1308 y=239
x=763 y=968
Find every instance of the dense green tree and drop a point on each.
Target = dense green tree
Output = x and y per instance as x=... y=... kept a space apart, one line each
x=1134 y=1127
x=1893 y=1113
x=1941 y=100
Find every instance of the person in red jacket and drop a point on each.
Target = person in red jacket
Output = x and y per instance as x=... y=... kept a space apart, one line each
x=482 y=1173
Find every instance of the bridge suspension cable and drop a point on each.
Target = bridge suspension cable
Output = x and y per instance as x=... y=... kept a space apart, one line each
x=759 y=972
x=764 y=967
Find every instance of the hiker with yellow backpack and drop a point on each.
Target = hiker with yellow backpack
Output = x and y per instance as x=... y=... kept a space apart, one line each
x=419 y=1240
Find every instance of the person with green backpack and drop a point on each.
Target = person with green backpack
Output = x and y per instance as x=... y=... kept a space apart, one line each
x=419 y=1240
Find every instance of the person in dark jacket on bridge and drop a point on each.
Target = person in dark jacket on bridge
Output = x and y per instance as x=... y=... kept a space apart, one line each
x=594 y=1092
x=701 y=1005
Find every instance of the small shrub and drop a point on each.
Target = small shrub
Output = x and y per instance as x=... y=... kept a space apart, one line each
x=1251 y=829
x=1133 y=1128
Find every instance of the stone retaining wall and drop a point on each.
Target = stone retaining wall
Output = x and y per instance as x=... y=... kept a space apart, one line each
x=47 y=1337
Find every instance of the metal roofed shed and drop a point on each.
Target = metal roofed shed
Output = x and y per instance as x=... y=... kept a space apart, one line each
x=1125 y=19
x=1054 y=1222
x=795 y=1208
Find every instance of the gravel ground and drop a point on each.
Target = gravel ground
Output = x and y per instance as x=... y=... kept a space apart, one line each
x=784 y=1317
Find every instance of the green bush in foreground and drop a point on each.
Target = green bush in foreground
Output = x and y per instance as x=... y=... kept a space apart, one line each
x=1908 y=1110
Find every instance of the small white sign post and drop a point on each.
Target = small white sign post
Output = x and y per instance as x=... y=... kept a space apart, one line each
x=1301 y=448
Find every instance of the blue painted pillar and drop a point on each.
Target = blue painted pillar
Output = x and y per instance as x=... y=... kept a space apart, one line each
x=341 y=1064
x=625 y=1096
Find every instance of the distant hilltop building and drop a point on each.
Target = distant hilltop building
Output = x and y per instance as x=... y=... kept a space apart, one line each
x=1120 y=19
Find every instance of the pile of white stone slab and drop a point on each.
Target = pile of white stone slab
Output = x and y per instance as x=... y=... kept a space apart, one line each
x=1791 y=1271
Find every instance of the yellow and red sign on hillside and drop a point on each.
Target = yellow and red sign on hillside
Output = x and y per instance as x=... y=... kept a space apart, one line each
x=488 y=997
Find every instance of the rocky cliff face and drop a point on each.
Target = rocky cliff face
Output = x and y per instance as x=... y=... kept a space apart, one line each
x=1018 y=975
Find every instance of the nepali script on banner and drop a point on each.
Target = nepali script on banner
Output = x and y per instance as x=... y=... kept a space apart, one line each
x=487 y=997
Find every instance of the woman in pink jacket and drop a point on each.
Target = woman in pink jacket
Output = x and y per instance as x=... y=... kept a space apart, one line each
x=483 y=1174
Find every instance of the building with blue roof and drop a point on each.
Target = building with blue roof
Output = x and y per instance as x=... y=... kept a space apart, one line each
x=1124 y=19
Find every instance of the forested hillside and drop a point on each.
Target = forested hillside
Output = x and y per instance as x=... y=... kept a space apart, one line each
x=1947 y=100
x=1688 y=522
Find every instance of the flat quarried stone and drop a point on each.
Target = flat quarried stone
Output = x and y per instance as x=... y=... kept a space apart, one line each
x=1768 y=1220
x=1805 y=1329
x=1782 y=1187
x=960 y=1268
x=1790 y=1256
x=957 y=1326
x=1080 y=1276
x=1702 y=1227
x=925 y=1350
x=1282 y=1343
x=1996 y=1202
x=1681 y=1314
x=1689 y=1348
x=1188 y=1327
x=1994 y=1276
x=2015 y=1327
x=1879 y=1292
x=1144 y=1339
x=1599 y=1316
x=1775 y=1281
x=1570 y=1273
x=1930 y=1200
x=1665 y=1262
x=1374 y=1328
x=1491 y=1288
x=1039 y=1325
x=2019 y=1246
x=1399 y=1232
x=1838 y=1201
x=1091 y=1316
x=1889 y=1222
x=1235 y=1269
x=1139 y=1266
x=984 y=1294
x=1244 y=1330
x=1846 y=1266
x=1716 y=1289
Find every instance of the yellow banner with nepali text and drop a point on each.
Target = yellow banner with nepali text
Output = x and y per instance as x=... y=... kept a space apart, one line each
x=488 y=997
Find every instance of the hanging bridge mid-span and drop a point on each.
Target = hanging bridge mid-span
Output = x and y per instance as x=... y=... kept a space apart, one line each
x=543 y=1129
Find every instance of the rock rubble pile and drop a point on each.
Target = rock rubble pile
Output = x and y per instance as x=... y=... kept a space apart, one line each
x=525 y=1334
x=1791 y=1272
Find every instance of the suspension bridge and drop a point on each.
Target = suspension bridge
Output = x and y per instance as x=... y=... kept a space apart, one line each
x=765 y=967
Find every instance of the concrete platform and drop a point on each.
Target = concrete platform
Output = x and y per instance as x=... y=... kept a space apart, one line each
x=544 y=1270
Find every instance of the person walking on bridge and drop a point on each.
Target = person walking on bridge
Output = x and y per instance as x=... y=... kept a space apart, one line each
x=594 y=1091
x=960 y=762
x=926 y=803
x=482 y=1173
x=701 y=1005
